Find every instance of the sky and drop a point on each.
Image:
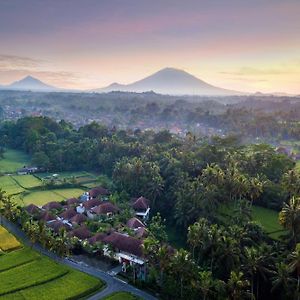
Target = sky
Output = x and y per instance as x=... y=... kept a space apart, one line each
x=239 y=45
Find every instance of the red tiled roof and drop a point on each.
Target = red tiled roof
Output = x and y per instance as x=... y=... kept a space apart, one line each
x=81 y=232
x=92 y=203
x=52 y=205
x=125 y=243
x=141 y=204
x=98 y=191
x=98 y=237
x=78 y=219
x=32 y=209
x=135 y=223
x=105 y=208
x=68 y=214
x=46 y=216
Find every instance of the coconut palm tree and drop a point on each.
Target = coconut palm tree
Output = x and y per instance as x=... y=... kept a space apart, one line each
x=294 y=266
x=289 y=218
x=237 y=286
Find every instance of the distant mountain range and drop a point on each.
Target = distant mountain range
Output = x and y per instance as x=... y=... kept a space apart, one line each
x=29 y=83
x=170 y=81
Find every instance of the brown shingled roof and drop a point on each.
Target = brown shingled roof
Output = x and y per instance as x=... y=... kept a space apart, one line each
x=68 y=214
x=72 y=201
x=81 y=232
x=125 y=243
x=98 y=191
x=78 y=219
x=92 y=203
x=57 y=225
x=52 y=205
x=32 y=209
x=98 y=237
x=105 y=208
x=135 y=223
x=46 y=216
x=141 y=204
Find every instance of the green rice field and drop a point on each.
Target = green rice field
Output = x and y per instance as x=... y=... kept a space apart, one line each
x=266 y=217
x=25 y=274
x=7 y=241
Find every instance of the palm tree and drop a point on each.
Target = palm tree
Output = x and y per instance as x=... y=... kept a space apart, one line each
x=281 y=279
x=289 y=218
x=294 y=265
x=257 y=264
x=237 y=286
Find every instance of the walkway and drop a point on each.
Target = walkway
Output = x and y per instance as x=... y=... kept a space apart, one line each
x=112 y=284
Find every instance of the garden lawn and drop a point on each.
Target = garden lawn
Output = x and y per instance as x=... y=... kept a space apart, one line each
x=13 y=160
x=7 y=241
x=122 y=296
x=10 y=186
x=27 y=181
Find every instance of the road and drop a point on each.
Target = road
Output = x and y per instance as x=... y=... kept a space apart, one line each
x=112 y=284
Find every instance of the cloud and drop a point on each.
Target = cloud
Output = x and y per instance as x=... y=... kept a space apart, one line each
x=13 y=62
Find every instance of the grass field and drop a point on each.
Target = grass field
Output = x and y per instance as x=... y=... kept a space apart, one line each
x=121 y=296
x=27 y=181
x=13 y=160
x=25 y=274
x=267 y=218
x=7 y=241
x=297 y=167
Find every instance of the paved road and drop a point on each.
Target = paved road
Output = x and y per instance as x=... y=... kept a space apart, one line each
x=112 y=284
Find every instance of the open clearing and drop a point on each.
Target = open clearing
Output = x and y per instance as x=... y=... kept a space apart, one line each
x=13 y=160
x=7 y=241
x=25 y=274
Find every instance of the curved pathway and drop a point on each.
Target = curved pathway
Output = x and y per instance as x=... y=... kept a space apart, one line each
x=112 y=284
